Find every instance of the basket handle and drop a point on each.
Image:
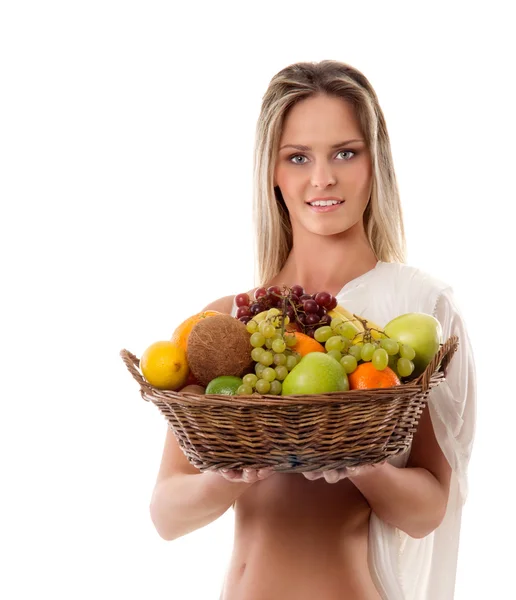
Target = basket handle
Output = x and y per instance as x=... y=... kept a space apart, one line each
x=442 y=357
x=132 y=363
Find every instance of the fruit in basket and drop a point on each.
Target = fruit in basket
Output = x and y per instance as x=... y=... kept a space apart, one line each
x=316 y=373
x=419 y=331
x=219 y=346
x=164 y=365
x=225 y=384
x=367 y=376
x=182 y=331
x=306 y=344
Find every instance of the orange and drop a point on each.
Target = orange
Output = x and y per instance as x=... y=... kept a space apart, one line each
x=366 y=376
x=306 y=344
x=164 y=365
x=180 y=335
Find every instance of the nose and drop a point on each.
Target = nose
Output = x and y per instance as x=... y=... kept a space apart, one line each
x=322 y=176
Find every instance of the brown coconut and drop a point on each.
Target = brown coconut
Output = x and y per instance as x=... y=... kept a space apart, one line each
x=219 y=346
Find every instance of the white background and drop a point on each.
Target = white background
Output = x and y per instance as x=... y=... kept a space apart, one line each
x=126 y=137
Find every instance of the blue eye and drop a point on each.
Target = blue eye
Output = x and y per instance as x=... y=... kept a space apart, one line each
x=347 y=152
x=293 y=156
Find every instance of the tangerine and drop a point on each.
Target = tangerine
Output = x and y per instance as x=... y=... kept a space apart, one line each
x=306 y=344
x=366 y=376
x=180 y=335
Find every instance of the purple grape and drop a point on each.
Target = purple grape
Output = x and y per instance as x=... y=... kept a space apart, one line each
x=274 y=290
x=326 y=320
x=297 y=290
x=323 y=298
x=333 y=303
x=259 y=293
x=245 y=319
x=243 y=311
x=304 y=297
x=310 y=331
x=310 y=306
x=242 y=300
x=322 y=311
x=312 y=319
x=301 y=318
x=290 y=313
x=255 y=308
x=294 y=298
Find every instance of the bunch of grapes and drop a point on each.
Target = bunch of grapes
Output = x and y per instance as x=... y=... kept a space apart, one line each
x=271 y=351
x=339 y=340
x=307 y=311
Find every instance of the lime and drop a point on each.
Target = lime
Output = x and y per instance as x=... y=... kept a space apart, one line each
x=225 y=384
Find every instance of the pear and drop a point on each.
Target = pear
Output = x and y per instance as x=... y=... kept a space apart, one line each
x=316 y=373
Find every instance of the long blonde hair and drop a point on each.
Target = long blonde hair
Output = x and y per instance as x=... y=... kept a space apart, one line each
x=383 y=220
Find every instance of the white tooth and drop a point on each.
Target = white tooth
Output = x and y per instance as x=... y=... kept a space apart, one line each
x=324 y=202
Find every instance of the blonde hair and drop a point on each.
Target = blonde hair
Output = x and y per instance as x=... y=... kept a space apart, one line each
x=383 y=220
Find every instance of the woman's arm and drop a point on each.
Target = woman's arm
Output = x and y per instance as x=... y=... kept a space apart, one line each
x=413 y=498
x=184 y=499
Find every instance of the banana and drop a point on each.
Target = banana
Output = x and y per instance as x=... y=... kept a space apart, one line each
x=359 y=322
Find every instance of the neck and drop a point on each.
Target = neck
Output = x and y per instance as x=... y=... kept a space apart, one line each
x=319 y=262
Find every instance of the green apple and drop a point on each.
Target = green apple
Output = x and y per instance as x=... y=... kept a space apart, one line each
x=420 y=331
x=316 y=373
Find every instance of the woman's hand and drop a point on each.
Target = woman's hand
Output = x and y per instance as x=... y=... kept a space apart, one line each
x=335 y=475
x=246 y=475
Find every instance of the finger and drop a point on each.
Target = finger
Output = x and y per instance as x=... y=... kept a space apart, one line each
x=313 y=475
x=332 y=476
x=264 y=473
x=231 y=474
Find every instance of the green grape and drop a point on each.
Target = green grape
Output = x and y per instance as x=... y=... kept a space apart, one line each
x=356 y=351
x=250 y=379
x=297 y=356
x=334 y=343
x=244 y=390
x=268 y=343
x=346 y=344
x=257 y=340
x=267 y=358
x=273 y=312
x=263 y=386
x=349 y=363
x=276 y=388
x=291 y=362
x=380 y=359
x=347 y=330
x=281 y=372
x=390 y=346
x=256 y=354
x=405 y=367
x=407 y=352
x=268 y=330
x=252 y=326
x=269 y=374
x=367 y=351
x=290 y=340
x=335 y=354
x=260 y=316
x=279 y=346
x=322 y=334
x=280 y=359
x=258 y=369
x=335 y=322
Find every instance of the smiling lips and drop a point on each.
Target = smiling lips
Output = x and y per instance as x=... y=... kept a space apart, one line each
x=325 y=204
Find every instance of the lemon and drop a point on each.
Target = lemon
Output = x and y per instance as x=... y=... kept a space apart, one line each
x=164 y=365
x=225 y=384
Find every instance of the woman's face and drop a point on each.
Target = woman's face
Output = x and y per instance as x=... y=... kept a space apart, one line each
x=323 y=154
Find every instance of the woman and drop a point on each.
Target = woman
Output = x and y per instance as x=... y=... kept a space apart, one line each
x=328 y=217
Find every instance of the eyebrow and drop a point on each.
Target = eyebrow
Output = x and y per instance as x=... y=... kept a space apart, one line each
x=307 y=148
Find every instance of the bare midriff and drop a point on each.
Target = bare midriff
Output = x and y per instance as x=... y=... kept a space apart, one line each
x=297 y=539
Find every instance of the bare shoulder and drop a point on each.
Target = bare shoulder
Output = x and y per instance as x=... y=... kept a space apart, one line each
x=223 y=305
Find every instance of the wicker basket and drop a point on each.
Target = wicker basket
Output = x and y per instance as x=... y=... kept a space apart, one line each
x=296 y=433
